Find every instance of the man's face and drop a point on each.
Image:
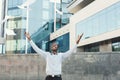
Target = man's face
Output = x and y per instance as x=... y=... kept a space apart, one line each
x=54 y=47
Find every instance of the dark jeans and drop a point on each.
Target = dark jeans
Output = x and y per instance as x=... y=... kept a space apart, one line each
x=53 y=78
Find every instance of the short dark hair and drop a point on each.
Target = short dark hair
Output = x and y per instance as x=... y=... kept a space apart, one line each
x=56 y=43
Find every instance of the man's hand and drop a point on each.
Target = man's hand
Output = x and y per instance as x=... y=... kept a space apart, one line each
x=28 y=36
x=79 y=37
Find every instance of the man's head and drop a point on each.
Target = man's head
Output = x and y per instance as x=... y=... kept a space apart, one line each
x=54 y=47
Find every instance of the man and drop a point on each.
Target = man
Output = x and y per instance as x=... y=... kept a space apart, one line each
x=53 y=59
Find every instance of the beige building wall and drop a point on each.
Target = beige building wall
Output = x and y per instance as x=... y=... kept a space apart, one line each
x=89 y=10
x=106 y=47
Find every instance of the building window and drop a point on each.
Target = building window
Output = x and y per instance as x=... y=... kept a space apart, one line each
x=63 y=42
x=46 y=4
x=91 y=48
x=116 y=46
x=106 y=20
x=1 y=48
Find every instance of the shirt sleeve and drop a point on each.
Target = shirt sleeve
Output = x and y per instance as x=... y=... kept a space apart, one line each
x=69 y=52
x=38 y=50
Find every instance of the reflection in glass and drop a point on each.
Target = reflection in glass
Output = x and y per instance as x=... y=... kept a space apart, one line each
x=116 y=46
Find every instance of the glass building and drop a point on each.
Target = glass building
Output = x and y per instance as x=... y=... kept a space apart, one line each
x=63 y=20
x=75 y=20
x=39 y=15
x=41 y=24
x=42 y=36
x=15 y=43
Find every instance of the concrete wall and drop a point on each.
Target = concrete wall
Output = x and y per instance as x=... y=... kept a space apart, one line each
x=79 y=66
x=22 y=67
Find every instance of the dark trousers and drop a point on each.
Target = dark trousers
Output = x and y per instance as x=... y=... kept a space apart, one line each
x=53 y=78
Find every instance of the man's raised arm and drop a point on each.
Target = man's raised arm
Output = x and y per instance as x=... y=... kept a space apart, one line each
x=38 y=50
x=69 y=52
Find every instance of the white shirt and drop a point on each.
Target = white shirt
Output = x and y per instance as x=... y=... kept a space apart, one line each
x=53 y=62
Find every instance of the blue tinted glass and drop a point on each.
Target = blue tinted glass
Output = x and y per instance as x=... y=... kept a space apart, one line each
x=63 y=42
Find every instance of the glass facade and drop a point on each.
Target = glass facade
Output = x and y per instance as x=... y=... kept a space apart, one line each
x=41 y=22
x=62 y=20
x=39 y=15
x=45 y=44
x=91 y=48
x=116 y=45
x=42 y=37
x=101 y=22
x=15 y=43
x=63 y=42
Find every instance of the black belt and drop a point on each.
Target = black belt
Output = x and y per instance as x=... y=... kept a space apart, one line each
x=54 y=75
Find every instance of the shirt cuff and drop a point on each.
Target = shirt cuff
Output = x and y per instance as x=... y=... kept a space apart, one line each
x=30 y=41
